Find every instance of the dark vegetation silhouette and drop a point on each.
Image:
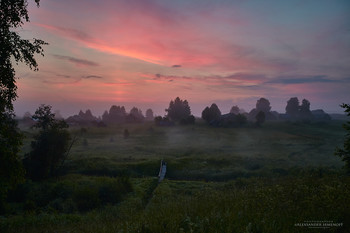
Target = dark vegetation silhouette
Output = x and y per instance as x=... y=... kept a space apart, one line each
x=301 y=112
x=115 y=115
x=163 y=121
x=305 y=112
x=135 y=116
x=292 y=108
x=260 y=118
x=179 y=110
x=190 y=120
x=118 y=115
x=344 y=153
x=211 y=113
x=263 y=105
x=50 y=147
x=82 y=118
x=235 y=110
x=149 y=115
x=13 y=14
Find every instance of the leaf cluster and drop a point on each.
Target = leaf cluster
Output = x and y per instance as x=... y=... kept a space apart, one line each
x=344 y=153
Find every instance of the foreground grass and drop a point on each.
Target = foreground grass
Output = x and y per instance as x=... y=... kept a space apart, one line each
x=243 y=205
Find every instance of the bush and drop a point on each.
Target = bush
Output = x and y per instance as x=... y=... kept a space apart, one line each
x=69 y=195
x=50 y=147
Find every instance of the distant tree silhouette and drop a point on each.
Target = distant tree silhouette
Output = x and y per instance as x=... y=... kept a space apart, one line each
x=82 y=118
x=344 y=153
x=149 y=115
x=105 y=116
x=292 y=108
x=178 y=109
x=157 y=120
x=241 y=119
x=320 y=116
x=263 y=105
x=135 y=116
x=137 y=113
x=163 y=121
x=304 y=111
x=50 y=147
x=235 y=110
x=116 y=114
x=260 y=118
x=211 y=113
x=305 y=106
x=190 y=120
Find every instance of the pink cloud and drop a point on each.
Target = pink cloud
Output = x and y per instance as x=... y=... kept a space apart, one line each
x=157 y=34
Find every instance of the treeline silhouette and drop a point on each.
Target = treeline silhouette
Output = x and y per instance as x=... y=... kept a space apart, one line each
x=179 y=112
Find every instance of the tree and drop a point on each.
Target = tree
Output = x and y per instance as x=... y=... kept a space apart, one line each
x=260 y=118
x=137 y=113
x=344 y=153
x=305 y=106
x=235 y=110
x=116 y=114
x=135 y=116
x=263 y=105
x=105 y=116
x=241 y=119
x=212 y=113
x=50 y=147
x=292 y=108
x=149 y=115
x=304 y=111
x=178 y=109
x=13 y=14
x=44 y=117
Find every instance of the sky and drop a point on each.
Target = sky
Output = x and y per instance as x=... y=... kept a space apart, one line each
x=145 y=53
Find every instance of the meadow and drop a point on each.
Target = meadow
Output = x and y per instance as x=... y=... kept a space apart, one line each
x=246 y=179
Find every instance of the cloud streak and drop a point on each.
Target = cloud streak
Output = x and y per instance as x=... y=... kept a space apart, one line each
x=238 y=79
x=302 y=79
x=76 y=61
x=92 y=77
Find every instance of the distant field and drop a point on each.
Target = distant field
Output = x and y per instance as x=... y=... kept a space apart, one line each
x=218 y=180
x=200 y=152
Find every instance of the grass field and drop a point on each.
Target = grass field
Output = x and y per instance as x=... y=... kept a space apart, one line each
x=218 y=180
